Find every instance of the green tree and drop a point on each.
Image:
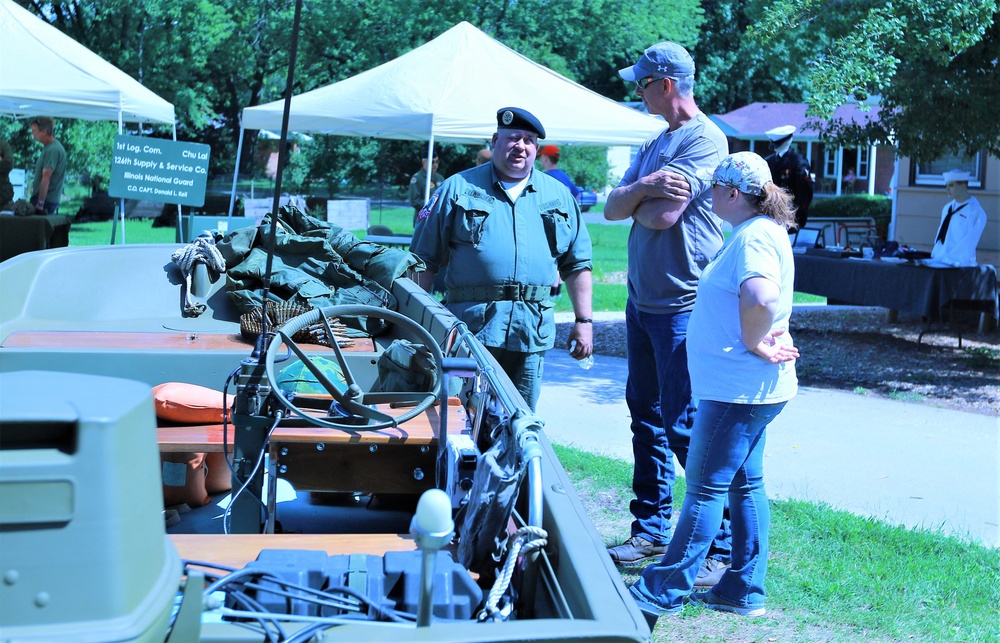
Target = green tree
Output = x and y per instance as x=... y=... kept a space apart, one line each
x=88 y=150
x=588 y=167
x=932 y=65
x=734 y=70
x=213 y=58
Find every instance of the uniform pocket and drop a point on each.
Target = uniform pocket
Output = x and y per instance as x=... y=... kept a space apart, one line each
x=470 y=220
x=546 y=320
x=558 y=230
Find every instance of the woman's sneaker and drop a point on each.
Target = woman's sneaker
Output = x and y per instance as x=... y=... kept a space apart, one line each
x=713 y=602
x=635 y=549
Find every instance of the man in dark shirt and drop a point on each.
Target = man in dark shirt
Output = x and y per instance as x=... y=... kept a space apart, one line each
x=790 y=171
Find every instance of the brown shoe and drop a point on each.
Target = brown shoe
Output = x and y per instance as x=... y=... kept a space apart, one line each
x=711 y=572
x=635 y=549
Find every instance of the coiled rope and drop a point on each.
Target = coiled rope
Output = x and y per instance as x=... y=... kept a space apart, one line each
x=492 y=611
x=201 y=250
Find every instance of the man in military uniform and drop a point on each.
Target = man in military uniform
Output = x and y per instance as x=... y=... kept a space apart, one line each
x=503 y=233
x=418 y=183
x=790 y=171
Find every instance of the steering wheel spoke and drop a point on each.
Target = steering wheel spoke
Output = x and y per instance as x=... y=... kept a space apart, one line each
x=354 y=401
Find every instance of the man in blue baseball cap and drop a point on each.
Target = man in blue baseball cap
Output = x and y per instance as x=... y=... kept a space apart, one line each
x=667 y=193
x=502 y=232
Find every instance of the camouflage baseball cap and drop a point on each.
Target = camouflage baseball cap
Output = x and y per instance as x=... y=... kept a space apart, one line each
x=745 y=171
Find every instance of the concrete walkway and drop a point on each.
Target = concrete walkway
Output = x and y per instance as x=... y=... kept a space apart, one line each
x=902 y=463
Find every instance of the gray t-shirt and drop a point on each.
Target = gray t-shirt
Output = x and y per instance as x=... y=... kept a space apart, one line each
x=664 y=265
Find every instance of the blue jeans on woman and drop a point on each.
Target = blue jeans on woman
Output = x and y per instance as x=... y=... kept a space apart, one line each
x=726 y=457
x=658 y=394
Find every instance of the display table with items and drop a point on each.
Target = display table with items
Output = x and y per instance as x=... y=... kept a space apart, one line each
x=20 y=234
x=899 y=284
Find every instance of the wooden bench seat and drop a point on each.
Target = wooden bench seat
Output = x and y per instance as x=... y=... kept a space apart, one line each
x=150 y=341
x=393 y=460
x=421 y=430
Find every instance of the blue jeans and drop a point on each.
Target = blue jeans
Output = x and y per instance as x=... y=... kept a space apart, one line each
x=658 y=394
x=524 y=370
x=727 y=455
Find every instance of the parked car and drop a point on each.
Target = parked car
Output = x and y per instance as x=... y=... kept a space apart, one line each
x=587 y=198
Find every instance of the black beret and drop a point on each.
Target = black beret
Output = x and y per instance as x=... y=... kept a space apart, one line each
x=517 y=118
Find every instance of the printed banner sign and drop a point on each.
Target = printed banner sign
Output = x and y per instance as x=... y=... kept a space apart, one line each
x=155 y=169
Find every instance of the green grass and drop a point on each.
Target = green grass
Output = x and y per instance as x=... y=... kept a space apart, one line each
x=983 y=357
x=832 y=576
x=96 y=233
x=906 y=396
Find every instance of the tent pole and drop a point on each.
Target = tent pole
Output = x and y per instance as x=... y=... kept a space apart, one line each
x=180 y=234
x=430 y=168
x=236 y=173
x=121 y=204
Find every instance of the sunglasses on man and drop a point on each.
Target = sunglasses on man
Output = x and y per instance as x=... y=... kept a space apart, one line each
x=642 y=84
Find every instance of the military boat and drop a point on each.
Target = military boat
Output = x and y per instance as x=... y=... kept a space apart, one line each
x=388 y=482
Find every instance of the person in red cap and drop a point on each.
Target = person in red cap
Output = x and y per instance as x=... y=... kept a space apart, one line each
x=548 y=158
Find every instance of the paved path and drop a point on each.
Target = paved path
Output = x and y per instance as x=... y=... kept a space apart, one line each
x=899 y=462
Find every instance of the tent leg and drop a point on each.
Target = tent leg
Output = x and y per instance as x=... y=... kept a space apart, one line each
x=114 y=223
x=430 y=168
x=236 y=173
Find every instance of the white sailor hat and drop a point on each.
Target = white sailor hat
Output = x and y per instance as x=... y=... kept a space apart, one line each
x=956 y=175
x=779 y=133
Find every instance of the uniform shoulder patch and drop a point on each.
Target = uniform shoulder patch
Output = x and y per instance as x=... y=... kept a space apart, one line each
x=426 y=210
x=413 y=179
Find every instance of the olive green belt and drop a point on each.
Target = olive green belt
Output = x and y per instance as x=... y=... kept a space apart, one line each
x=503 y=292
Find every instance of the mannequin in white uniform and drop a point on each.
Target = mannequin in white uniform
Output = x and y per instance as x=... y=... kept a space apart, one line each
x=962 y=223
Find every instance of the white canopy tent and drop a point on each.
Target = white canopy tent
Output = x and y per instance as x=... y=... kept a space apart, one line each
x=44 y=72
x=450 y=90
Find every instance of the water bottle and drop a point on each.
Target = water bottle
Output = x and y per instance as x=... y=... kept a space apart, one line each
x=587 y=362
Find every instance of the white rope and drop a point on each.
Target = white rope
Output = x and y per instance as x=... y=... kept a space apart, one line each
x=202 y=250
x=492 y=611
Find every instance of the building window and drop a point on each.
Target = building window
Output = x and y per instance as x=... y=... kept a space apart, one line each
x=830 y=165
x=862 y=162
x=930 y=173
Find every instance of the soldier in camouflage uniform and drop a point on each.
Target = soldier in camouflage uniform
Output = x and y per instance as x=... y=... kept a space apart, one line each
x=418 y=183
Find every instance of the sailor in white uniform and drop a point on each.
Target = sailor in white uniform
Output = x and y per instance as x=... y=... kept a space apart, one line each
x=962 y=223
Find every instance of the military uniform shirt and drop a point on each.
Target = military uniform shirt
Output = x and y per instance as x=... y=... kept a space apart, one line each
x=964 y=230
x=791 y=172
x=418 y=183
x=471 y=227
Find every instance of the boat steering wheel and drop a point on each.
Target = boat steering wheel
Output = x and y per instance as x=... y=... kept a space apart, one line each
x=356 y=404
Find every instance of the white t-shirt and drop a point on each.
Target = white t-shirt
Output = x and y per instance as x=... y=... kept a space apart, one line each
x=722 y=369
x=962 y=237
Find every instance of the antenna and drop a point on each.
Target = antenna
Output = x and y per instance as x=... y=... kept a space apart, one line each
x=282 y=161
